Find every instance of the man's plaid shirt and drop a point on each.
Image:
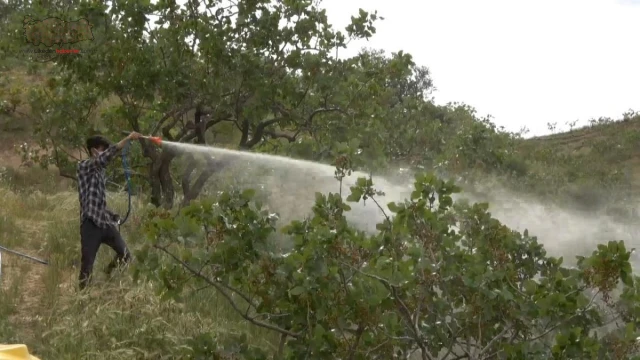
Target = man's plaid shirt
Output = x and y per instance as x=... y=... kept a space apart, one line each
x=92 y=189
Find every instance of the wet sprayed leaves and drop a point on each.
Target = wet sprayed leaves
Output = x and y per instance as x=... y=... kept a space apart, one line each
x=435 y=271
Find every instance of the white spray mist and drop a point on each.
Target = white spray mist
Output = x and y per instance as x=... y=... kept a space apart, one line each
x=292 y=185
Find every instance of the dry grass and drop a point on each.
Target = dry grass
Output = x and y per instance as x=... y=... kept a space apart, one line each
x=118 y=318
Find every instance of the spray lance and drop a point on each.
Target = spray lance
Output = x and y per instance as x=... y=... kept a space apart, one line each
x=154 y=139
x=4 y=249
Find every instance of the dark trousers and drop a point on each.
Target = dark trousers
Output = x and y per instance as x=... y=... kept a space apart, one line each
x=91 y=237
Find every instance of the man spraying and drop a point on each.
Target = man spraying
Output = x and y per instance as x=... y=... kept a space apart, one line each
x=98 y=224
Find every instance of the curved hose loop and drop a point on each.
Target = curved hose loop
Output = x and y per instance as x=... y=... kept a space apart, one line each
x=127 y=176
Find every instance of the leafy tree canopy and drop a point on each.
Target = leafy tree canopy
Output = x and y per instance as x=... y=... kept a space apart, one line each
x=262 y=74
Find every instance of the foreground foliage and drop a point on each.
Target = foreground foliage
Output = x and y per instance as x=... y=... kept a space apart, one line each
x=439 y=280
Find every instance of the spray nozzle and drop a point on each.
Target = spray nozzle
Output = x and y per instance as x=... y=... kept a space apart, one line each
x=154 y=139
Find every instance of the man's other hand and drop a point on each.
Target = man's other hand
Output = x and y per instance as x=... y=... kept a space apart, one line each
x=116 y=218
x=134 y=136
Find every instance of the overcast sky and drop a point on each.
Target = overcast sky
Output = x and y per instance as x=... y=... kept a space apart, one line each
x=526 y=63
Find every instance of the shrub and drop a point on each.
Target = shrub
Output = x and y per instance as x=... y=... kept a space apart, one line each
x=439 y=280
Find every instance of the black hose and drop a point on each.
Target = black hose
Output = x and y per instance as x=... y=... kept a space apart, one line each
x=127 y=176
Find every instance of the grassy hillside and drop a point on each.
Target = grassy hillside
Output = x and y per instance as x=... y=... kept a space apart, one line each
x=613 y=145
x=39 y=305
x=593 y=167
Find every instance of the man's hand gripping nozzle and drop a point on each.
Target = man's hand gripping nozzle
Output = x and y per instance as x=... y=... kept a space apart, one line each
x=154 y=139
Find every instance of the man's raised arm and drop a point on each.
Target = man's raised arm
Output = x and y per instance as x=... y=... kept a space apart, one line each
x=106 y=156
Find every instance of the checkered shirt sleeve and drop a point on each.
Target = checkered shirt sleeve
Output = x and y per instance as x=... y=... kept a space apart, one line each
x=92 y=189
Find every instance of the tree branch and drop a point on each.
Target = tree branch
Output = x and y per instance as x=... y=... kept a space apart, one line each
x=67 y=175
x=257 y=136
x=567 y=320
x=493 y=341
x=57 y=159
x=180 y=110
x=185 y=136
x=186 y=175
x=228 y=297
x=355 y=343
x=404 y=310
x=275 y=135
x=324 y=110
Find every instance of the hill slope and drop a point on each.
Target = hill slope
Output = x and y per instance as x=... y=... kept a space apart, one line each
x=600 y=154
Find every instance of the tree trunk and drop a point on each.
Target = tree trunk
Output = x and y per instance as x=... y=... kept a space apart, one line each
x=186 y=177
x=189 y=191
x=196 y=188
x=166 y=182
x=154 y=180
x=156 y=187
x=162 y=190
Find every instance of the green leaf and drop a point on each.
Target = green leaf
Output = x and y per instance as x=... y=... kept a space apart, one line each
x=248 y=194
x=318 y=332
x=630 y=329
x=356 y=194
x=626 y=278
x=186 y=254
x=393 y=207
x=507 y=295
x=530 y=286
x=298 y=290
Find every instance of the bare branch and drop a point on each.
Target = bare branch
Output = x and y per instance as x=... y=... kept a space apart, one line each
x=57 y=160
x=67 y=175
x=567 y=320
x=257 y=136
x=377 y=347
x=185 y=136
x=283 y=341
x=69 y=154
x=380 y=208
x=404 y=310
x=465 y=351
x=220 y=289
x=356 y=341
x=452 y=337
x=495 y=339
x=324 y=110
x=173 y=113
x=261 y=129
x=277 y=135
x=176 y=118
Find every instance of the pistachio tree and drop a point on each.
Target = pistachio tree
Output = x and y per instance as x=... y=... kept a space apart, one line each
x=394 y=120
x=182 y=71
x=439 y=280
